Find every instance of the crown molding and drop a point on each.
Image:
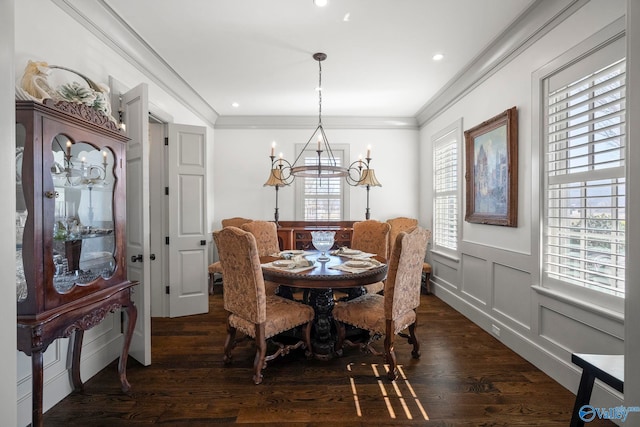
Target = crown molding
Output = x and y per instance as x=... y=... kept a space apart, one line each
x=104 y=23
x=540 y=17
x=306 y=122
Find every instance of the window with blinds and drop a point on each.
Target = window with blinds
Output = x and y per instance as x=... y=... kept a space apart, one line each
x=584 y=213
x=445 y=167
x=323 y=197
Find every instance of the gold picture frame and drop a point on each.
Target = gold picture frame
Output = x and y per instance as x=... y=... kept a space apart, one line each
x=492 y=170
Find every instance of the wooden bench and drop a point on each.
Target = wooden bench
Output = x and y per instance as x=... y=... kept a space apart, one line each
x=607 y=368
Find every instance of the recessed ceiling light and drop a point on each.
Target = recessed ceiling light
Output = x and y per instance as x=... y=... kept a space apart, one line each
x=320 y=3
x=235 y=105
x=346 y=17
x=437 y=57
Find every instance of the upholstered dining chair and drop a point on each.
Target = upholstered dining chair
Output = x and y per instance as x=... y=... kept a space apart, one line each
x=391 y=313
x=251 y=310
x=372 y=236
x=266 y=234
x=216 y=267
x=402 y=224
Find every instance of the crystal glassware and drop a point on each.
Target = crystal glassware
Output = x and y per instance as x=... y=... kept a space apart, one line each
x=323 y=241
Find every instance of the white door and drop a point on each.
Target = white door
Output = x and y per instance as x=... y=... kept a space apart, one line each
x=188 y=252
x=135 y=104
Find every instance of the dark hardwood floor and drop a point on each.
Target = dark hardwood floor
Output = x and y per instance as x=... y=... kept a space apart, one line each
x=465 y=377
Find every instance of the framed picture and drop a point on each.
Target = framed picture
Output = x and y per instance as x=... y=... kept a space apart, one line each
x=492 y=170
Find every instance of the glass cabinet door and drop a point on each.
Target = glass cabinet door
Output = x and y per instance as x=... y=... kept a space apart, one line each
x=21 y=215
x=83 y=228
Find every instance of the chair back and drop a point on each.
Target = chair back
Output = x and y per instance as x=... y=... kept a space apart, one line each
x=236 y=221
x=402 y=289
x=371 y=236
x=244 y=293
x=398 y=225
x=266 y=234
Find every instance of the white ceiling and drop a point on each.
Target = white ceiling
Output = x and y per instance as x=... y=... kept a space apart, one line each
x=258 y=53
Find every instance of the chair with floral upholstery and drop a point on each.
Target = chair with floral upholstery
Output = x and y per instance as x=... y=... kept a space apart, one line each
x=372 y=236
x=391 y=313
x=251 y=310
x=216 y=267
x=266 y=234
x=402 y=224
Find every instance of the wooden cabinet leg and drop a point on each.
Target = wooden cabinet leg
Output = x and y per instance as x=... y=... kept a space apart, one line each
x=36 y=388
x=132 y=316
x=75 y=360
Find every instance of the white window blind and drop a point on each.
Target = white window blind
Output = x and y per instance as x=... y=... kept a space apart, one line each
x=585 y=181
x=445 y=166
x=323 y=198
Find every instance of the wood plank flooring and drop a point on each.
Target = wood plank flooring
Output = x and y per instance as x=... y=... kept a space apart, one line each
x=465 y=377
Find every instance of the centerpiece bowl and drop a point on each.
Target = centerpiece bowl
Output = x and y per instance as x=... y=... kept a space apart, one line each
x=323 y=241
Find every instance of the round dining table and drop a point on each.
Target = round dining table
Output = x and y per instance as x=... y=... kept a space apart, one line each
x=320 y=281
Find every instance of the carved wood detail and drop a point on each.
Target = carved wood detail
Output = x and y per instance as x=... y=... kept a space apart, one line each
x=84 y=112
x=92 y=319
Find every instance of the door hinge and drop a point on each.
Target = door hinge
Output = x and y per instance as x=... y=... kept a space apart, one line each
x=167 y=290
x=166 y=191
x=166 y=140
x=166 y=240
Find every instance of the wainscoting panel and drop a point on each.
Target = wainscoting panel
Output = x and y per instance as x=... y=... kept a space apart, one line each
x=573 y=335
x=475 y=280
x=444 y=273
x=512 y=294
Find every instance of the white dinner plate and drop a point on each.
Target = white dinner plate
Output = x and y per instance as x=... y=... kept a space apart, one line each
x=283 y=263
x=357 y=264
x=351 y=252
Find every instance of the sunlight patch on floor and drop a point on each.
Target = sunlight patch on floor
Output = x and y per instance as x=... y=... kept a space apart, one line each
x=389 y=398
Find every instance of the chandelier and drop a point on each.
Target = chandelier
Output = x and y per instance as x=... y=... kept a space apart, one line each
x=284 y=172
x=326 y=165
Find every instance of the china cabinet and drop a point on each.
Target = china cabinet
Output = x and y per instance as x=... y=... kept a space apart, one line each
x=70 y=225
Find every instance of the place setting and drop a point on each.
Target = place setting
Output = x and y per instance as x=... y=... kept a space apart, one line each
x=293 y=261
x=357 y=265
x=355 y=254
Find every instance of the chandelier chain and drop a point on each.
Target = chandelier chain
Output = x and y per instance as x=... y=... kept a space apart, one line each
x=320 y=92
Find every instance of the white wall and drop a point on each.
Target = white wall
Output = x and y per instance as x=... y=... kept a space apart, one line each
x=492 y=282
x=43 y=32
x=7 y=212
x=242 y=164
x=632 y=314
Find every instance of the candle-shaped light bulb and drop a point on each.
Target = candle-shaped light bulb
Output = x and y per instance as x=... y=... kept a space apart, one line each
x=104 y=155
x=368 y=151
x=360 y=160
x=69 y=148
x=281 y=159
x=273 y=148
x=319 y=142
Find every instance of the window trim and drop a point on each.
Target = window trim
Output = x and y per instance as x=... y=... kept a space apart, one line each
x=608 y=35
x=338 y=150
x=454 y=130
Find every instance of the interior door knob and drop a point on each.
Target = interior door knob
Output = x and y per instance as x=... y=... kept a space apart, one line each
x=152 y=257
x=136 y=258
